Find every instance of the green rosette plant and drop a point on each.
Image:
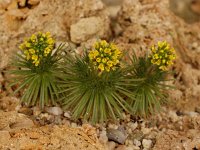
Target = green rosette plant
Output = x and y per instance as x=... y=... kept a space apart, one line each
x=95 y=84
x=36 y=70
x=153 y=68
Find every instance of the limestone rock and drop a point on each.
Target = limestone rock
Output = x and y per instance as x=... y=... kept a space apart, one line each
x=26 y=111
x=54 y=110
x=111 y=145
x=146 y=143
x=103 y=137
x=67 y=115
x=21 y=3
x=88 y=28
x=14 y=120
x=116 y=135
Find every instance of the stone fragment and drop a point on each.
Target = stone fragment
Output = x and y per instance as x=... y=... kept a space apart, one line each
x=173 y=116
x=21 y=3
x=36 y=111
x=103 y=137
x=88 y=28
x=23 y=123
x=54 y=110
x=67 y=115
x=146 y=143
x=116 y=135
x=111 y=145
x=136 y=142
x=25 y=110
x=33 y=2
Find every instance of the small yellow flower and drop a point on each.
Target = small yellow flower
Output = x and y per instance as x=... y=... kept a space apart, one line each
x=104 y=60
x=50 y=41
x=27 y=44
x=32 y=51
x=37 y=63
x=103 y=43
x=26 y=52
x=96 y=53
x=110 y=63
x=48 y=34
x=107 y=68
x=107 y=50
x=91 y=56
x=34 y=57
x=101 y=67
x=162 y=55
x=98 y=59
x=33 y=38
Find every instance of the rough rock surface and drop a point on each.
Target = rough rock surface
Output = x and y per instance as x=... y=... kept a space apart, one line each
x=88 y=28
x=20 y=20
x=49 y=137
x=12 y=120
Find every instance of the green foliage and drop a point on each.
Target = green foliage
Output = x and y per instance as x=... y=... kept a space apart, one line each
x=151 y=92
x=92 y=95
x=37 y=82
x=94 y=87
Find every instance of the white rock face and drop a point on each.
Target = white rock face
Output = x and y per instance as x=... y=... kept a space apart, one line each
x=88 y=28
x=54 y=110
x=146 y=143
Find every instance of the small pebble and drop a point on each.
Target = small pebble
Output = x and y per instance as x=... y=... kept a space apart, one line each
x=54 y=110
x=112 y=126
x=132 y=125
x=73 y=125
x=17 y=108
x=192 y=114
x=116 y=135
x=111 y=145
x=67 y=115
x=132 y=147
x=146 y=143
x=36 y=111
x=25 y=110
x=136 y=142
x=121 y=147
x=103 y=137
x=137 y=135
x=173 y=116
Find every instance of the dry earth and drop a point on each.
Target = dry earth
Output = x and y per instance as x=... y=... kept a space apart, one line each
x=133 y=25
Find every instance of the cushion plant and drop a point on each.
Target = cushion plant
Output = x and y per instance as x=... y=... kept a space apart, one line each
x=36 y=69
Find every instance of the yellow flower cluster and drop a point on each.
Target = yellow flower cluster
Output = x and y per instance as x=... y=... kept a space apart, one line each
x=162 y=55
x=37 y=47
x=105 y=56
